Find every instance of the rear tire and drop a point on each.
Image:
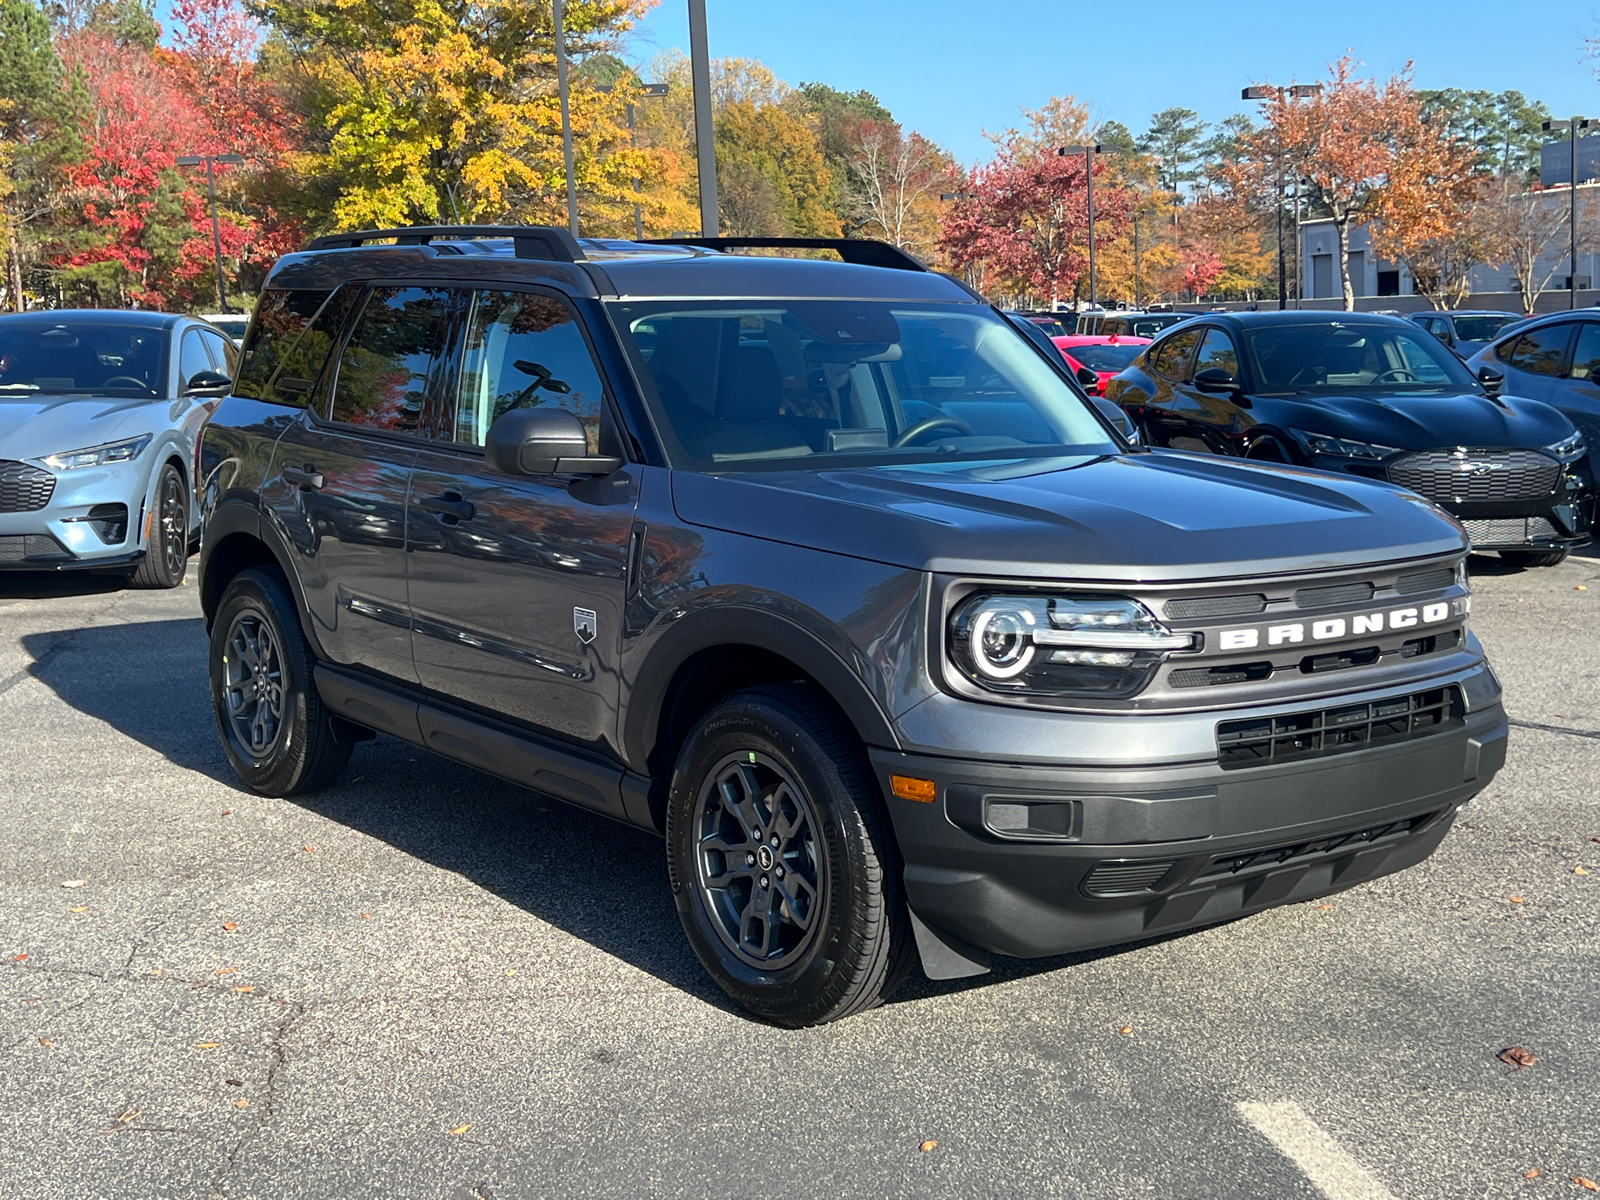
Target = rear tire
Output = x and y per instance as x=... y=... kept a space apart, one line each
x=278 y=736
x=783 y=865
x=1534 y=558
x=166 y=550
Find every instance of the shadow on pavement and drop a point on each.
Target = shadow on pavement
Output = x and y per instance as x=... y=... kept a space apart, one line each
x=52 y=585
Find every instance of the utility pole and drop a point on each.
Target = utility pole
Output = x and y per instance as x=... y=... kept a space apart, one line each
x=558 y=13
x=1088 y=153
x=704 y=132
x=1573 y=127
x=211 y=161
x=1268 y=92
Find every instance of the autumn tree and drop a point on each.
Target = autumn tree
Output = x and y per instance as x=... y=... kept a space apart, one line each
x=1422 y=216
x=771 y=177
x=896 y=180
x=1519 y=225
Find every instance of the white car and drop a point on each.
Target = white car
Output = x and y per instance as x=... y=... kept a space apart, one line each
x=232 y=324
x=100 y=411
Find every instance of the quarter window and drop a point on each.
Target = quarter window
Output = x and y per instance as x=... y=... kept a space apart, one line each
x=1586 y=357
x=390 y=363
x=223 y=353
x=525 y=350
x=192 y=358
x=1172 y=355
x=1540 y=351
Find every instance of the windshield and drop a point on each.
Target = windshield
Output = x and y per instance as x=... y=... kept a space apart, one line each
x=1053 y=328
x=1148 y=327
x=822 y=383
x=97 y=358
x=1482 y=329
x=1106 y=357
x=1335 y=356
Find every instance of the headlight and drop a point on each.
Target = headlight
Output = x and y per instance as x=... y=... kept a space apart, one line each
x=1322 y=443
x=99 y=456
x=1569 y=449
x=1059 y=645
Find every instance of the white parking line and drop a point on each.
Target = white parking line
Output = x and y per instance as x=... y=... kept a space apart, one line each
x=1333 y=1172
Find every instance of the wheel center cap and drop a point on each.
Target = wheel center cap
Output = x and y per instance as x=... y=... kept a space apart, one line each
x=765 y=858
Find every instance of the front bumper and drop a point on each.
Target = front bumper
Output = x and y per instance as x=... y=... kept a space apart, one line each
x=1113 y=854
x=94 y=519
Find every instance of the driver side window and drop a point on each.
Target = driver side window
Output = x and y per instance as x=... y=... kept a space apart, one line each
x=193 y=359
x=1217 y=352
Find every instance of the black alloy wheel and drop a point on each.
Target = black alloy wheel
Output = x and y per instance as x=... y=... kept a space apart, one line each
x=783 y=865
x=166 y=551
x=279 y=737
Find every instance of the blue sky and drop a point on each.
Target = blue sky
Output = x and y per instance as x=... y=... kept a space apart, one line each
x=951 y=70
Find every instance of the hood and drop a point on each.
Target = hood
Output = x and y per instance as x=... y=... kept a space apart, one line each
x=35 y=425
x=1140 y=517
x=1433 y=421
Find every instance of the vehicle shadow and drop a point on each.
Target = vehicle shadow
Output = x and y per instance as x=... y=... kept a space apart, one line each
x=52 y=585
x=598 y=880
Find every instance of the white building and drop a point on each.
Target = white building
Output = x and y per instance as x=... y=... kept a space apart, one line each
x=1370 y=276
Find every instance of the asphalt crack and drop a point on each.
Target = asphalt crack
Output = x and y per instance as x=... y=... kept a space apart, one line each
x=278 y=1050
x=1583 y=733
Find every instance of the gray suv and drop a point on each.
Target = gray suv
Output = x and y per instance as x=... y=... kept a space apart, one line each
x=827 y=574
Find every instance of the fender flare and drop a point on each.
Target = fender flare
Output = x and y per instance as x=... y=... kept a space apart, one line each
x=238 y=516
x=716 y=626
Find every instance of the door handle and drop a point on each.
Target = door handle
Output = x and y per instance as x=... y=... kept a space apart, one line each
x=449 y=507
x=309 y=479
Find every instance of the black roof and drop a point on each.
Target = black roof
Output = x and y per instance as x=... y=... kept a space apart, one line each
x=678 y=268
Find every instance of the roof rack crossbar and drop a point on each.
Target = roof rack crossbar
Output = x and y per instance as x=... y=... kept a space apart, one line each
x=548 y=242
x=860 y=251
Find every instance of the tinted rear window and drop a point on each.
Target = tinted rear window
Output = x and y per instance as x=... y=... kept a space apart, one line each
x=289 y=342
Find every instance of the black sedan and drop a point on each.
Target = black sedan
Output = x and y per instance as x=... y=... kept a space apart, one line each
x=1374 y=396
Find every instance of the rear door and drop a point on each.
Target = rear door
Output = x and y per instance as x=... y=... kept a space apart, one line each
x=517 y=582
x=1578 y=394
x=1217 y=419
x=1536 y=360
x=343 y=472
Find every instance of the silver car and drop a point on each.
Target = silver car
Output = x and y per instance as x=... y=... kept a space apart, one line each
x=99 y=415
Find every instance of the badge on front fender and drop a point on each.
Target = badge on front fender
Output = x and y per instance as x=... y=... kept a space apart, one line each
x=584 y=624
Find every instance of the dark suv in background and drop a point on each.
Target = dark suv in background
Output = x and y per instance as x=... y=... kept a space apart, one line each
x=825 y=572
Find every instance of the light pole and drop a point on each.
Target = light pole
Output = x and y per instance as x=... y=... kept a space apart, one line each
x=649 y=90
x=1268 y=92
x=558 y=16
x=704 y=132
x=1088 y=153
x=1572 y=128
x=211 y=161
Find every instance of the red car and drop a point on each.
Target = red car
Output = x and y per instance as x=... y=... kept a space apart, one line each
x=1096 y=359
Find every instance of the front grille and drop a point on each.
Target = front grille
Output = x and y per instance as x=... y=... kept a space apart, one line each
x=1233 y=864
x=1126 y=878
x=1258 y=741
x=1186 y=677
x=1339 y=593
x=1474 y=478
x=1424 y=581
x=1518 y=531
x=1214 y=606
x=24 y=488
x=31 y=547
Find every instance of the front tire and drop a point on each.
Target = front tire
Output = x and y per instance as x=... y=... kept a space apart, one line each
x=783 y=865
x=275 y=730
x=166 y=550
x=1534 y=558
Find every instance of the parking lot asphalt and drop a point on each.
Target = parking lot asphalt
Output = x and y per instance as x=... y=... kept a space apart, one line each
x=424 y=982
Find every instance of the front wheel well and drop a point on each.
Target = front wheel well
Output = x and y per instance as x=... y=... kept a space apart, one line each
x=235 y=553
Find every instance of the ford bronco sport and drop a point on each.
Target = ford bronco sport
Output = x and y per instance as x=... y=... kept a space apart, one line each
x=824 y=572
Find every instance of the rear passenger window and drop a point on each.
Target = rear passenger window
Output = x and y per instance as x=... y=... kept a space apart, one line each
x=525 y=350
x=193 y=359
x=1540 y=351
x=390 y=363
x=1586 y=358
x=289 y=342
x=1171 y=357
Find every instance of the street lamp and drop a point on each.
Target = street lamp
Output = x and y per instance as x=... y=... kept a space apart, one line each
x=1088 y=153
x=1572 y=128
x=211 y=161
x=649 y=90
x=1268 y=92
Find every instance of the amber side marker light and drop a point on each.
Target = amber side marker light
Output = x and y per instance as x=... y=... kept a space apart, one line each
x=923 y=790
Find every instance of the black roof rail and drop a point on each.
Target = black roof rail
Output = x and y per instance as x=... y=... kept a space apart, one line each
x=863 y=252
x=549 y=242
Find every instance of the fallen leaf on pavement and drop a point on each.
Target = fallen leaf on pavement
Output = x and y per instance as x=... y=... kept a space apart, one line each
x=128 y=1114
x=245 y=987
x=206 y=1045
x=157 y=971
x=1590 y=1184
x=368 y=916
x=73 y=882
x=225 y=970
x=1519 y=1056
x=234 y=1082
x=1516 y=899
x=1580 y=588
x=928 y=1145
x=309 y=849
x=79 y=908
x=460 y=1129
x=230 y=926
x=241 y=1103
x=1533 y=1174
x=18 y=957
x=1324 y=907
x=46 y=1042
x=1579 y=871
x=1126 y=1029
x=227 y=812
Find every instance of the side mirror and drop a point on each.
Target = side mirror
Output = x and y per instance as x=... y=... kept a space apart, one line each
x=1090 y=379
x=207 y=381
x=543 y=441
x=1215 y=379
x=1491 y=380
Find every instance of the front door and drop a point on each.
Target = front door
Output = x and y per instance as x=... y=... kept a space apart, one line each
x=342 y=479
x=517 y=582
x=1213 y=418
